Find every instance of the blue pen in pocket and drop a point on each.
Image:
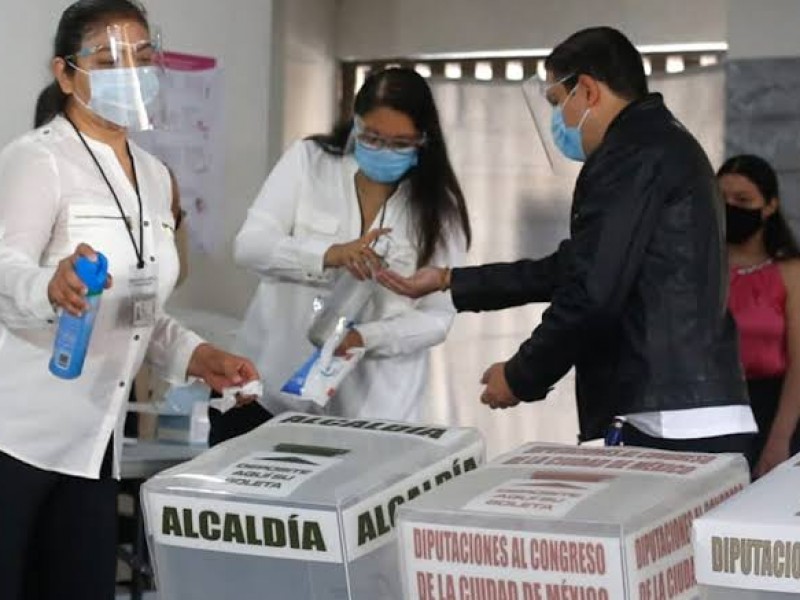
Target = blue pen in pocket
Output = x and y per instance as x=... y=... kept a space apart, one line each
x=614 y=433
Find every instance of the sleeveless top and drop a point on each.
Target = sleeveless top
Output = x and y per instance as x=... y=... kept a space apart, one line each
x=757 y=301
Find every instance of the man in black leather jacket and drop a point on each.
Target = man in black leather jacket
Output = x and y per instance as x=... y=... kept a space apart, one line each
x=638 y=291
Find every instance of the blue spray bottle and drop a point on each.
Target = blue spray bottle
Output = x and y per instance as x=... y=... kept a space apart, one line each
x=74 y=333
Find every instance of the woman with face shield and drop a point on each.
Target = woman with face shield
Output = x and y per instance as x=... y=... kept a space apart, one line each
x=72 y=188
x=765 y=302
x=385 y=173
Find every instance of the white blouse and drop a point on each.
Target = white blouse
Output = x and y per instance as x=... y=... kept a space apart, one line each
x=308 y=203
x=53 y=197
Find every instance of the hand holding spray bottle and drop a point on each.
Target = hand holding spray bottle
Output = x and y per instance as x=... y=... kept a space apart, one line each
x=75 y=332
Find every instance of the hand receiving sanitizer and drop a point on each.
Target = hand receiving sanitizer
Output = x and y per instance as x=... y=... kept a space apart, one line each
x=74 y=332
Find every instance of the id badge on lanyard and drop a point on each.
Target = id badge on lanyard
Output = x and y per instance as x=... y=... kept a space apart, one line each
x=142 y=305
x=139 y=309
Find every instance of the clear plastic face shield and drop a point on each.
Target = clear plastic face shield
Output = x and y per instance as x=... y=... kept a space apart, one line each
x=542 y=98
x=680 y=91
x=119 y=76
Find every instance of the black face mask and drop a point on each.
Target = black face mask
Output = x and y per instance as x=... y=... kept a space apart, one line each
x=741 y=223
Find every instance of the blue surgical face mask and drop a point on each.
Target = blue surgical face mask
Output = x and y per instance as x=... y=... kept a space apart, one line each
x=568 y=139
x=384 y=165
x=119 y=95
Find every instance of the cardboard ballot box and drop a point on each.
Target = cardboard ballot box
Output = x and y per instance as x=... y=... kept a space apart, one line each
x=749 y=549
x=301 y=508
x=551 y=522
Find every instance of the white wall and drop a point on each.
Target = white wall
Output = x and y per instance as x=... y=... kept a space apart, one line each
x=28 y=39
x=309 y=73
x=389 y=28
x=767 y=28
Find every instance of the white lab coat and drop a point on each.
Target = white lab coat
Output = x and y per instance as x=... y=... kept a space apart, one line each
x=308 y=203
x=52 y=197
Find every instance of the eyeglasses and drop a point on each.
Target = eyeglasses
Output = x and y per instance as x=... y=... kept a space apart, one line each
x=563 y=81
x=107 y=56
x=375 y=141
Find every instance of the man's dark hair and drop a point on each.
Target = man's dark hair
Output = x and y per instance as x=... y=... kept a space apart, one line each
x=604 y=54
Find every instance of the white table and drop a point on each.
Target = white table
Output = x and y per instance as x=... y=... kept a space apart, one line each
x=144 y=458
x=140 y=461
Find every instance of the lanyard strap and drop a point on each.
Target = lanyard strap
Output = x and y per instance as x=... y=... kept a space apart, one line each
x=364 y=224
x=383 y=214
x=138 y=250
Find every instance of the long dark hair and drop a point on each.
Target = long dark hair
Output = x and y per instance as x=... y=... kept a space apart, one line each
x=75 y=22
x=436 y=197
x=778 y=237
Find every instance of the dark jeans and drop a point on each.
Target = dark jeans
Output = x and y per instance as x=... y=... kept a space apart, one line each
x=58 y=533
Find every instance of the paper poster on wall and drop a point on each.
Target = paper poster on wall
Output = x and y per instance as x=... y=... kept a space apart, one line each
x=191 y=144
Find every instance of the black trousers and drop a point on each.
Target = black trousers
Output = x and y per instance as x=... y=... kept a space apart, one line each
x=736 y=444
x=58 y=533
x=235 y=422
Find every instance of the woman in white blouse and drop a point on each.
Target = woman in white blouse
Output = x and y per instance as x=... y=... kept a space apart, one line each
x=322 y=205
x=78 y=182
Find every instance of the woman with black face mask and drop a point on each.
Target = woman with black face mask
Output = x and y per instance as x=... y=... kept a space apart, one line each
x=765 y=302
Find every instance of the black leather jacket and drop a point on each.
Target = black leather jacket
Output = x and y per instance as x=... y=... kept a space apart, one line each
x=638 y=293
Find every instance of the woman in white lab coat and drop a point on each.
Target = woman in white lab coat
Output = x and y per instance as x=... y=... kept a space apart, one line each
x=73 y=187
x=321 y=207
